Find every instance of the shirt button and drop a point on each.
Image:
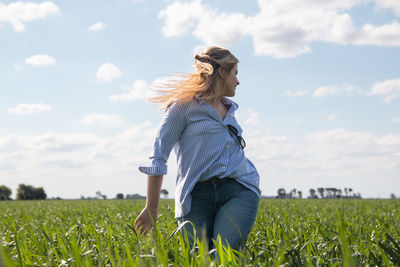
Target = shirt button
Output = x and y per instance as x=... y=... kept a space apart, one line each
x=224 y=168
x=227 y=146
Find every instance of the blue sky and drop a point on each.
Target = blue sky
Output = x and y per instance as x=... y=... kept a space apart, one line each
x=319 y=94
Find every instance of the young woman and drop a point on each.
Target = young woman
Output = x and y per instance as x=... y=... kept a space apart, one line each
x=216 y=185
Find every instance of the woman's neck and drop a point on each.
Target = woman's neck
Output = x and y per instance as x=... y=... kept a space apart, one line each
x=219 y=106
x=215 y=102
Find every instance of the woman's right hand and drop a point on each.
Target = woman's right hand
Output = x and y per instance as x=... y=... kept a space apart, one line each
x=144 y=222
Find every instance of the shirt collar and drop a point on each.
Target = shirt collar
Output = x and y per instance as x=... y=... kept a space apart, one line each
x=225 y=101
x=233 y=104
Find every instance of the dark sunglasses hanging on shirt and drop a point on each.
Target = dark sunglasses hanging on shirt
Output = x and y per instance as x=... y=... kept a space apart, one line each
x=234 y=131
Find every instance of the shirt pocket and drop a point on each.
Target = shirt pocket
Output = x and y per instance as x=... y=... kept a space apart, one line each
x=204 y=129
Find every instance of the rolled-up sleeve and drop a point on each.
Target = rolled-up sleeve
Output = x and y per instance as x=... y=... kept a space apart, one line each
x=168 y=134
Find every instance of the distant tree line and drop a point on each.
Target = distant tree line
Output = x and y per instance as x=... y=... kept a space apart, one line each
x=5 y=193
x=163 y=192
x=99 y=195
x=24 y=192
x=327 y=192
x=28 y=192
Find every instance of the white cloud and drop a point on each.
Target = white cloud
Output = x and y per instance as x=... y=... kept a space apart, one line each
x=53 y=142
x=396 y=120
x=207 y=24
x=388 y=90
x=390 y=140
x=104 y=120
x=40 y=60
x=222 y=30
x=280 y=29
x=17 y=67
x=297 y=93
x=98 y=26
x=385 y=35
x=248 y=117
x=26 y=109
x=298 y=120
x=332 y=117
x=8 y=143
x=160 y=82
x=107 y=72
x=180 y=17
x=341 y=146
x=334 y=158
x=59 y=161
x=394 y=5
x=18 y=13
x=138 y=90
x=337 y=158
x=343 y=89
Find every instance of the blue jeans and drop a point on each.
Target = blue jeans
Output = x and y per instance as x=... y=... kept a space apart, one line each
x=221 y=207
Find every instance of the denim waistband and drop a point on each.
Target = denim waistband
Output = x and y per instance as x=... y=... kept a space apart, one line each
x=217 y=179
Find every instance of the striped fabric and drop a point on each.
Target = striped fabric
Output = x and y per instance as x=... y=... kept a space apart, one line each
x=204 y=148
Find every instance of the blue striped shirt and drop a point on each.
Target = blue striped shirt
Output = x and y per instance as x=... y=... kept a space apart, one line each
x=204 y=148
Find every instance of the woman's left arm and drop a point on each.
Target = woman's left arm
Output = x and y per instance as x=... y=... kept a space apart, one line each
x=144 y=222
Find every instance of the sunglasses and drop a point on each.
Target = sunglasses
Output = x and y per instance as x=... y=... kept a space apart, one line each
x=233 y=130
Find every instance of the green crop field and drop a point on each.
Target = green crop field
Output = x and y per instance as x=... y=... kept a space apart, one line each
x=339 y=232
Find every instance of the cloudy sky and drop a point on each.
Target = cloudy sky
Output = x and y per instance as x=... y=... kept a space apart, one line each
x=319 y=95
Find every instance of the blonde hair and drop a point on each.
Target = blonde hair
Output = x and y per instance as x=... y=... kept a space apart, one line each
x=201 y=83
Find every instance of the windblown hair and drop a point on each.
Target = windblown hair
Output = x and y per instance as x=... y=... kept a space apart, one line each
x=201 y=83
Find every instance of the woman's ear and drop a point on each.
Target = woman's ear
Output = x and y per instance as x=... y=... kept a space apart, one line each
x=222 y=72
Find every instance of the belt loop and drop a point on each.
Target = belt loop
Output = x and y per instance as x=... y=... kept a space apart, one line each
x=214 y=182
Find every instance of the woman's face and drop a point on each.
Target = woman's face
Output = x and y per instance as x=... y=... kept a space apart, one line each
x=231 y=81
